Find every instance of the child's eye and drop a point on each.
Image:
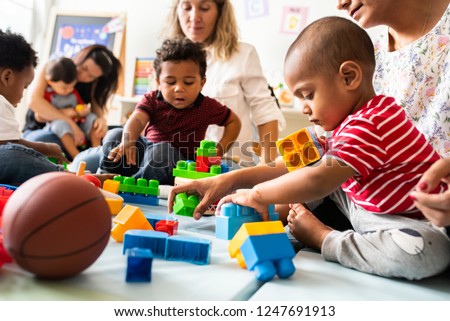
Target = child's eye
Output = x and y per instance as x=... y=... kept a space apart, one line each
x=188 y=83
x=308 y=96
x=171 y=83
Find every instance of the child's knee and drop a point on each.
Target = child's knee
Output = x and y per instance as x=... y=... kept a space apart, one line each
x=417 y=255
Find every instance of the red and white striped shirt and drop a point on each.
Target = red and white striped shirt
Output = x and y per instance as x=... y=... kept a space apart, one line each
x=389 y=154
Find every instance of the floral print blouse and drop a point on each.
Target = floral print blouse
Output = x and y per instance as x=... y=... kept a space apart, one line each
x=418 y=77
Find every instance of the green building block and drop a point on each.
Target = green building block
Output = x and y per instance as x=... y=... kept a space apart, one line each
x=139 y=186
x=187 y=169
x=207 y=148
x=185 y=205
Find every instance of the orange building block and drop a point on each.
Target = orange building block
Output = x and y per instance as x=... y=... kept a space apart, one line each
x=300 y=148
x=129 y=218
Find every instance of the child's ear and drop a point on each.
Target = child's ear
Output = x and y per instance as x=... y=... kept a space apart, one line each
x=203 y=82
x=6 y=76
x=351 y=74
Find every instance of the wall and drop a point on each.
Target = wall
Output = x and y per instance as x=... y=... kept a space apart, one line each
x=145 y=19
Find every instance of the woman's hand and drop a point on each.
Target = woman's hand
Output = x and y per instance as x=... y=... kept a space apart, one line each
x=435 y=207
x=245 y=197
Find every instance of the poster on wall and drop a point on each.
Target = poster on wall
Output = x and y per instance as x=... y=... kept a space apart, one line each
x=294 y=19
x=69 y=32
x=256 y=8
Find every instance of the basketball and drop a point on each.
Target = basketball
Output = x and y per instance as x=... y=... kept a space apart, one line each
x=55 y=225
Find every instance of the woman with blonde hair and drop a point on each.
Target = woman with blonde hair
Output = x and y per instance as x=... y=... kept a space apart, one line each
x=234 y=75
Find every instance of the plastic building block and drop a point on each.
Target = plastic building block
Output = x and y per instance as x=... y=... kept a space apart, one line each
x=167 y=226
x=251 y=229
x=175 y=248
x=139 y=267
x=232 y=216
x=187 y=169
x=146 y=239
x=300 y=148
x=188 y=249
x=207 y=148
x=111 y=185
x=139 y=191
x=269 y=255
x=185 y=205
x=129 y=218
x=155 y=218
x=114 y=201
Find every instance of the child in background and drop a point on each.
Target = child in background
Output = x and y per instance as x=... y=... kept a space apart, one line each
x=174 y=118
x=17 y=63
x=374 y=160
x=61 y=76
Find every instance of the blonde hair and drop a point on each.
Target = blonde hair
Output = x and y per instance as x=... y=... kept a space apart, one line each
x=223 y=42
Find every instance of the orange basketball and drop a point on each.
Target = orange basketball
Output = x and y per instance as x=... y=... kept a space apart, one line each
x=55 y=225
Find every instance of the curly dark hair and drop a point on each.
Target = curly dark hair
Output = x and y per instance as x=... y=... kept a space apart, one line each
x=180 y=49
x=15 y=52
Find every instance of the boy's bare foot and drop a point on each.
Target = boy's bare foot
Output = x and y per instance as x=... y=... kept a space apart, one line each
x=307 y=228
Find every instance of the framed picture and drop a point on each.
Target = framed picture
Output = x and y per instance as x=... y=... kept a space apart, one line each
x=68 y=32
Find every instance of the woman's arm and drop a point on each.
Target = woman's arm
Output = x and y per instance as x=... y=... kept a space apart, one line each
x=231 y=132
x=265 y=113
x=268 y=135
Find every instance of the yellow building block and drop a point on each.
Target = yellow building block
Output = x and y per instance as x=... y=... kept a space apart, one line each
x=300 y=148
x=111 y=186
x=129 y=218
x=248 y=229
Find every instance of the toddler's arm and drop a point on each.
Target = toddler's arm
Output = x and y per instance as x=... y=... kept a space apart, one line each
x=131 y=131
x=304 y=184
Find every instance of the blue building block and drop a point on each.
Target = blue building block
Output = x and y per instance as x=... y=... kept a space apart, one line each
x=140 y=199
x=269 y=255
x=188 y=249
x=232 y=216
x=139 y=267
x=155 y=218
x=146 y=239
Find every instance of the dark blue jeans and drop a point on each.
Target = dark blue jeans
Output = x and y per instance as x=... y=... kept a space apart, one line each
x=153 y=160
x=20 y=163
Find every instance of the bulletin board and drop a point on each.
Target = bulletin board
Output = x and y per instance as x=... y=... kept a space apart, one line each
x=69 y=32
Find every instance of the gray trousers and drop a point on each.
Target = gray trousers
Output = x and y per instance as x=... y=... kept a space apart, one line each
x=387 y=245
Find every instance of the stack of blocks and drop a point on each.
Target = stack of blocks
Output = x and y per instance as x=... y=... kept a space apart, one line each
x=263 y=247
x=5 y=192
x=151 y=235
x=138 y=191
x=300 y=148
x=232 y=216
x=207 y=164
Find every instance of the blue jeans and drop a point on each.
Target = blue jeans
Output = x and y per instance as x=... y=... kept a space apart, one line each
x=153 y=160
x=20 y=163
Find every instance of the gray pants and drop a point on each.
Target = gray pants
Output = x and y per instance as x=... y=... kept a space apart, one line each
x=60 y=127
x=387 y=245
